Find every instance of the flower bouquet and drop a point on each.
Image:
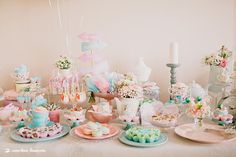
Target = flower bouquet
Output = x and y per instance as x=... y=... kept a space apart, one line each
x=130 y=94
x=198 y=109
x=64 y=64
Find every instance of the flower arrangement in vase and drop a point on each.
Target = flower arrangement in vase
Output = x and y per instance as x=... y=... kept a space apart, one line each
x=64 y=64
x=221 y=67
x=128 y=87
x=130 y=94
x=198 y=109
x=220 y=59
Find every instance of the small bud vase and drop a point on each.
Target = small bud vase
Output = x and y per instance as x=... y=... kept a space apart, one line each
x=198 y=122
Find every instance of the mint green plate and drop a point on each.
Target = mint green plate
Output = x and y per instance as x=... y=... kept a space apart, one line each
x=14 y=136
x=162 y=140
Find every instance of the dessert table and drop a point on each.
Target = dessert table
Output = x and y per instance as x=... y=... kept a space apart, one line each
x=72 y=146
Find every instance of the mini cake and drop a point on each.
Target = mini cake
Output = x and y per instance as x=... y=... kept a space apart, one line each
x=41 y=132
x=143 y=135
x=96 y=129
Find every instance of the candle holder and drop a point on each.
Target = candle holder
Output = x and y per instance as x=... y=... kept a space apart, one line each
x=172 y=72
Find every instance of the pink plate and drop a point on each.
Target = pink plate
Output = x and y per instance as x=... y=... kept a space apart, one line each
x=113 y=131
x=208 y=134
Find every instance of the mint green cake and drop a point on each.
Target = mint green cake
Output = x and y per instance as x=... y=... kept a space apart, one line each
x=143 y=135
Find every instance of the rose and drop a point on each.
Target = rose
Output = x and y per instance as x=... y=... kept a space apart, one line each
x=223 y=63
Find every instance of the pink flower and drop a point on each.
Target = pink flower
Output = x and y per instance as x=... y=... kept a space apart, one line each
x=223 y=63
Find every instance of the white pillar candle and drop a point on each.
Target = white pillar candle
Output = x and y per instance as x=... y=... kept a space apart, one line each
x=174 y=53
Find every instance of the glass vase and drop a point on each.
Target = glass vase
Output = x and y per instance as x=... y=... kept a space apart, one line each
x=198 y=122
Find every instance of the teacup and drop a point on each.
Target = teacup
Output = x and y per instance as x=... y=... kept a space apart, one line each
x=40 y=118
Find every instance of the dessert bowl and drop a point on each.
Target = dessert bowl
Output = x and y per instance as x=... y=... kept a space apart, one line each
x=99 y=116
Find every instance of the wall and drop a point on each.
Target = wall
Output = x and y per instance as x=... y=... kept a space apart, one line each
x=30 y=33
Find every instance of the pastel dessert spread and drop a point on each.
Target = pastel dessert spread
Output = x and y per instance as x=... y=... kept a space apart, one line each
x=167 y=119
x=96 y=129
x=221 y=114
x=143 y=135
x=40 y=132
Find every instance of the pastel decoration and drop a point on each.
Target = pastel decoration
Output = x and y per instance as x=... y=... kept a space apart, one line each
x=91 y=86
x=75 y=117
x=197 y=91
x=39 y=101
x=80 y=97
x=35 y=79
x=87 y=57
x=6 y=112
x=21 y=73
x=102 y=84
x=113 y=78
x=65 y=98
x=142 y=71
x=88 y=37
x=19 y=116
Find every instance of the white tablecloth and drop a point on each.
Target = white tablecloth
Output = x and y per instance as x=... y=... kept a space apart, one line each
x=71 y=146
